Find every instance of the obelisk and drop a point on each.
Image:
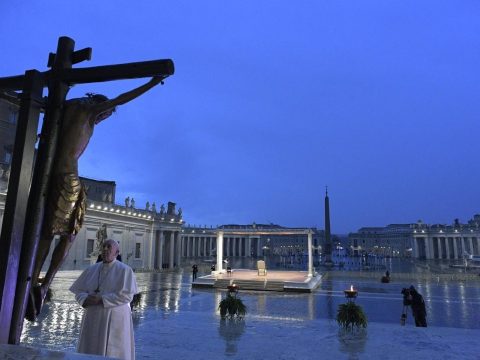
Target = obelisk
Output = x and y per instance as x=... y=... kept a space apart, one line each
x=328 y=239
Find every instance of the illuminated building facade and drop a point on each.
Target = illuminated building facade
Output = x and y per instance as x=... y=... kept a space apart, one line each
x=393 y=240
x=453 y=242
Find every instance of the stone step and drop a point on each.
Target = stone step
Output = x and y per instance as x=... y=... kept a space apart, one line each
x=259 y=285
x=222 y=283
x=250 y=285
x=274 y=286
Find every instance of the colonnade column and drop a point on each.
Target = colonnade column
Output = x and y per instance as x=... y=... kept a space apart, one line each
x=462 y=247
x=455 y=252
x=188 y=246
x=426 y=248
x=310 y=258
x=434 y=244
x=151 y=245
x=432 y=251
x=160 y=249
x=447 y=246
x=219 y=251
x=211 y=246
x=178 y=254
x=172 y=251
x=429 y=247
x=471 y=246
x=155 y=249
x=445 y=252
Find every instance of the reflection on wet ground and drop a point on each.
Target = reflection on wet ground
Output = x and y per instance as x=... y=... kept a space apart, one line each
x=231 y=331
x=168 y=294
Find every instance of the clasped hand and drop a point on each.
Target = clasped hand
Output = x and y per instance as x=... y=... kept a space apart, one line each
x=92 y=300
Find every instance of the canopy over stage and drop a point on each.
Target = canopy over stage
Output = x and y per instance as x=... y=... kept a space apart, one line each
x=274 y=280
x=283 y=231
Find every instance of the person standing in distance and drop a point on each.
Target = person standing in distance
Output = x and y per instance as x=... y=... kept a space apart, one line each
x=194 y=272
x=105 y=291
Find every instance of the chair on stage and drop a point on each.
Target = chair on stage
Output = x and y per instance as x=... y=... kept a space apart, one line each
x=261 y=268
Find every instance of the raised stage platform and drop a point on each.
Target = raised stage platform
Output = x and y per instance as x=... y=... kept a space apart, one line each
x=274 y=280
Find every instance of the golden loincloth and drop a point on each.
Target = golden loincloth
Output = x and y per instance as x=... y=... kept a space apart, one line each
x=66 y=204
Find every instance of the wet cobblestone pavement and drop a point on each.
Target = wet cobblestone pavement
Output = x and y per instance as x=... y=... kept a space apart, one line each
x=174 y=321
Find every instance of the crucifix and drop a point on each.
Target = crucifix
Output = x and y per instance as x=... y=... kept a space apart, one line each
x=32 y=200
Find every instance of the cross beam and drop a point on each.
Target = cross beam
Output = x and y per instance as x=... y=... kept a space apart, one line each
x=133 y=70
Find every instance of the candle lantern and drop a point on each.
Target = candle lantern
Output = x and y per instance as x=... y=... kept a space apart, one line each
x=232 y=288
x=351 y=294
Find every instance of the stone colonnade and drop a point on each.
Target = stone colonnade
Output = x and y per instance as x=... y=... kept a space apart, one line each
x=445 y=247
x=171 y=246
x=194 y=246
x=205 y=245
x=167 y=249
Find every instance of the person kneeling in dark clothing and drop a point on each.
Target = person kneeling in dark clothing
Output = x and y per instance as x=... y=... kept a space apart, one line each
x=418 y=308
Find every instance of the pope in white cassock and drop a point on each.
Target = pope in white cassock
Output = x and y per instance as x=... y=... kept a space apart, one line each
x=105 y=290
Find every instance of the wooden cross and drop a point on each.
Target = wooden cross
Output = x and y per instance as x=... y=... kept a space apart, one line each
x=25 y=203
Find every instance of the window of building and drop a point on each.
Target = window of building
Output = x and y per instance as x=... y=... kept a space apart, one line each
x=90 y=244
x=137 y=251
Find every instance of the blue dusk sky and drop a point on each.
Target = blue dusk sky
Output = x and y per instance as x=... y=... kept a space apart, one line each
x=273 y=100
